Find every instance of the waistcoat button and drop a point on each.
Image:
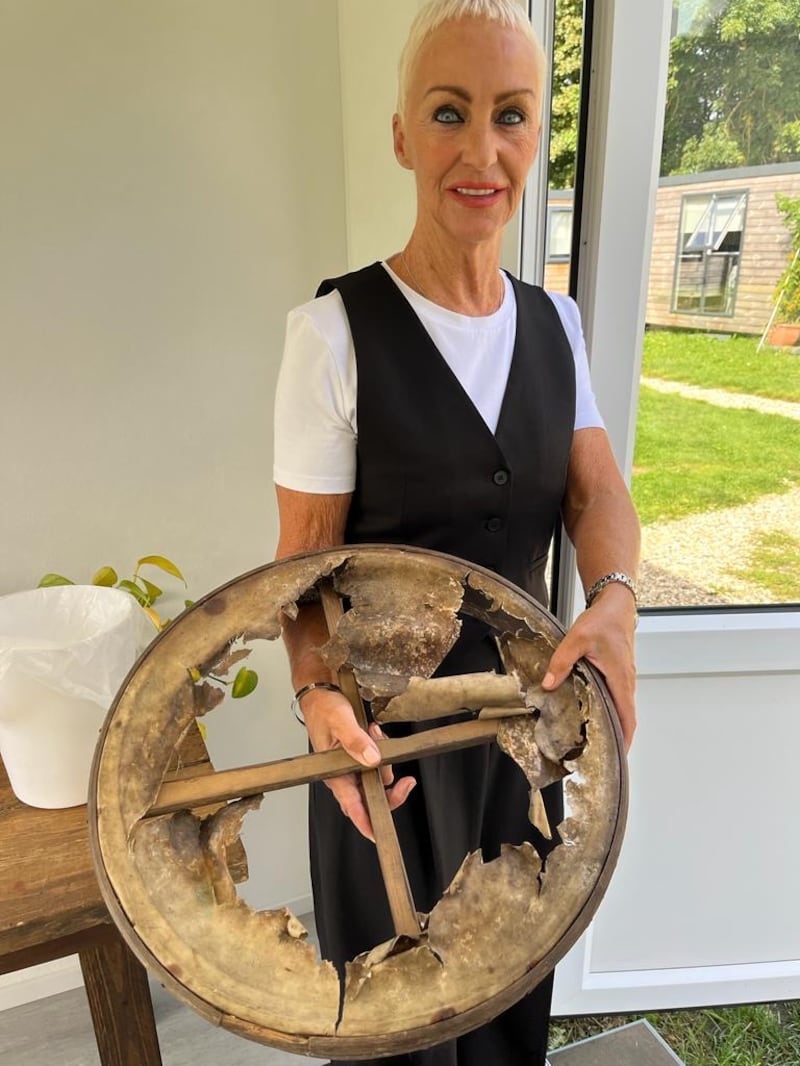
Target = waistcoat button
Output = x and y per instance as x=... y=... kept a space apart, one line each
x=494 y=524
x=500 y=477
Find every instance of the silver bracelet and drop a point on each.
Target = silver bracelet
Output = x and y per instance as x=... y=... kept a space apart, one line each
x=295 y=704
x=617 y=577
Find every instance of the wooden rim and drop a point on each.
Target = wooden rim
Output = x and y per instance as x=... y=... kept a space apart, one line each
x=127 y=856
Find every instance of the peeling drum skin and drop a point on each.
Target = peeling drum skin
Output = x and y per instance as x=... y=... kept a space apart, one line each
x=173 y=885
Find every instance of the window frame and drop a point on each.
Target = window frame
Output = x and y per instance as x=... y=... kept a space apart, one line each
x=710 y=195
x=554 y=209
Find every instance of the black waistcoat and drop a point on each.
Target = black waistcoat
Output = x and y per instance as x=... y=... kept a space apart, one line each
x=429 y=471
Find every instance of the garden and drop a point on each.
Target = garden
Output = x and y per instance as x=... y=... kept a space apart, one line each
x=694 y=457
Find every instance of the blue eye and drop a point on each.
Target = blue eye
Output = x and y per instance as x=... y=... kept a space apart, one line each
x=447 y=115
x=512 y=116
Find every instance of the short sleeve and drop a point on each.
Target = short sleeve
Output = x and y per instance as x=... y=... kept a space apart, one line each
x=315 y=401
x=587 y=415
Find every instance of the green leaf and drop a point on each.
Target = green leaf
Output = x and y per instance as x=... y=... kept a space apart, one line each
x=106 y=576
x=135 y=591
x=51 y=580
x=244 y=683
x=163 y=564
x=154 y=618
x=187 y=604
x=153 y=591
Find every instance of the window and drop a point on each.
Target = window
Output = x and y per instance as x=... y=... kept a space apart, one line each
x=559 y=234
x=710 y=241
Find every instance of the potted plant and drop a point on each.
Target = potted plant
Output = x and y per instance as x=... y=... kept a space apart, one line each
x=143 y=591
x=65 y=649
x=146 y=593
x=786 y=329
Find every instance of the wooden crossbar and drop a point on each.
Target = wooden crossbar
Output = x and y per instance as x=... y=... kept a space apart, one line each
x=390 y=857
x=223 y=785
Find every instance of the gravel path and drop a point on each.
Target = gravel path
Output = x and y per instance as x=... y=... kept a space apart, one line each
x=699 y=559
x=721 y=398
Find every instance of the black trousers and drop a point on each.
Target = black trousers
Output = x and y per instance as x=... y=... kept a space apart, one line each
x=464 y=800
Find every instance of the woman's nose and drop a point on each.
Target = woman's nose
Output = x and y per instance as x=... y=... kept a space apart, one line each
x=480 y=147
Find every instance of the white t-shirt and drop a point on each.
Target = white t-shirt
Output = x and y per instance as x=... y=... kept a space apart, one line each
x=315 y=402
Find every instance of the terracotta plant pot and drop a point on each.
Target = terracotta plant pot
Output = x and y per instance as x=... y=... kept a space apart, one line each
x=784 y=335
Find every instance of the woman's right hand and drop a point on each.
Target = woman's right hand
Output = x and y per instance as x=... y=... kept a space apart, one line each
x=309 y=521
x=331 y=723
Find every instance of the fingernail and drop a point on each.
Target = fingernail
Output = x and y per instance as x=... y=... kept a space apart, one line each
x=369 y=751
x=548 y=680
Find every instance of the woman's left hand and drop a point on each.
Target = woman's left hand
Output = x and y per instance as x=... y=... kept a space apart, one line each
x=603 y=635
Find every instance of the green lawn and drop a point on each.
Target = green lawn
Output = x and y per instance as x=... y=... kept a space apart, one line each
x=692 y=457
x=763 y=1035
x=729 y=363
x=774 y=563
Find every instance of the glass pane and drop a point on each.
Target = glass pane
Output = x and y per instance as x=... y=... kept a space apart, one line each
x=564 y=113
x=564 y=105
x=717 y=462
x=696 y=210
x=725 y=212
x=708 y=265
x=559 y=233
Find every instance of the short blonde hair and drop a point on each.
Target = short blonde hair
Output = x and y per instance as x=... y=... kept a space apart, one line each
x=436 y=12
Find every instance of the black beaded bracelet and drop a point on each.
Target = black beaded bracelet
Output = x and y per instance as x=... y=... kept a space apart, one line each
x=295 y=704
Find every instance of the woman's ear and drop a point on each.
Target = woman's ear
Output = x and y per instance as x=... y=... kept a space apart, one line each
x=399 y=140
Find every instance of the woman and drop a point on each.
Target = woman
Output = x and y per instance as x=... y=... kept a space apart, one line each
x=433 y=400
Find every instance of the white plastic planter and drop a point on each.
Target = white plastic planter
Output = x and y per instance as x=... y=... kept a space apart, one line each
x=64 y=652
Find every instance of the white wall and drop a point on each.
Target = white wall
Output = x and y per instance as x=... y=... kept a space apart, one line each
x=171 y=183
x=380 y=193
x=702 y=907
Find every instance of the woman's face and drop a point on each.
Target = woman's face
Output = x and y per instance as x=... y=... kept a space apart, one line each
x=471 y=127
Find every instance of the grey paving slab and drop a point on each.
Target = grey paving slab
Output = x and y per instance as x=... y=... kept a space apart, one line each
x=636 y=1044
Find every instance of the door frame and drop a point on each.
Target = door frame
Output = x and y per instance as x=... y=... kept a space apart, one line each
x=628 y=72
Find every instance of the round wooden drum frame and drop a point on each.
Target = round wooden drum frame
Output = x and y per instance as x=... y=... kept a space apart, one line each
x=159 y=839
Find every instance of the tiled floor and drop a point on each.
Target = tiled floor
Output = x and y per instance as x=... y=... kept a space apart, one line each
x=57 y=1031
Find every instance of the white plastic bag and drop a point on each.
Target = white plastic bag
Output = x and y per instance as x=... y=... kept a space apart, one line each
x=64 y=652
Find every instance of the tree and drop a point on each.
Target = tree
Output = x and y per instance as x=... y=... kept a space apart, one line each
x=567 y=49
x=733 y=95
x=733 y=92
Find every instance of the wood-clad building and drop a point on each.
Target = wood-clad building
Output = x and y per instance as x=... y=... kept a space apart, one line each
x=719 y=247
x=559 y=237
